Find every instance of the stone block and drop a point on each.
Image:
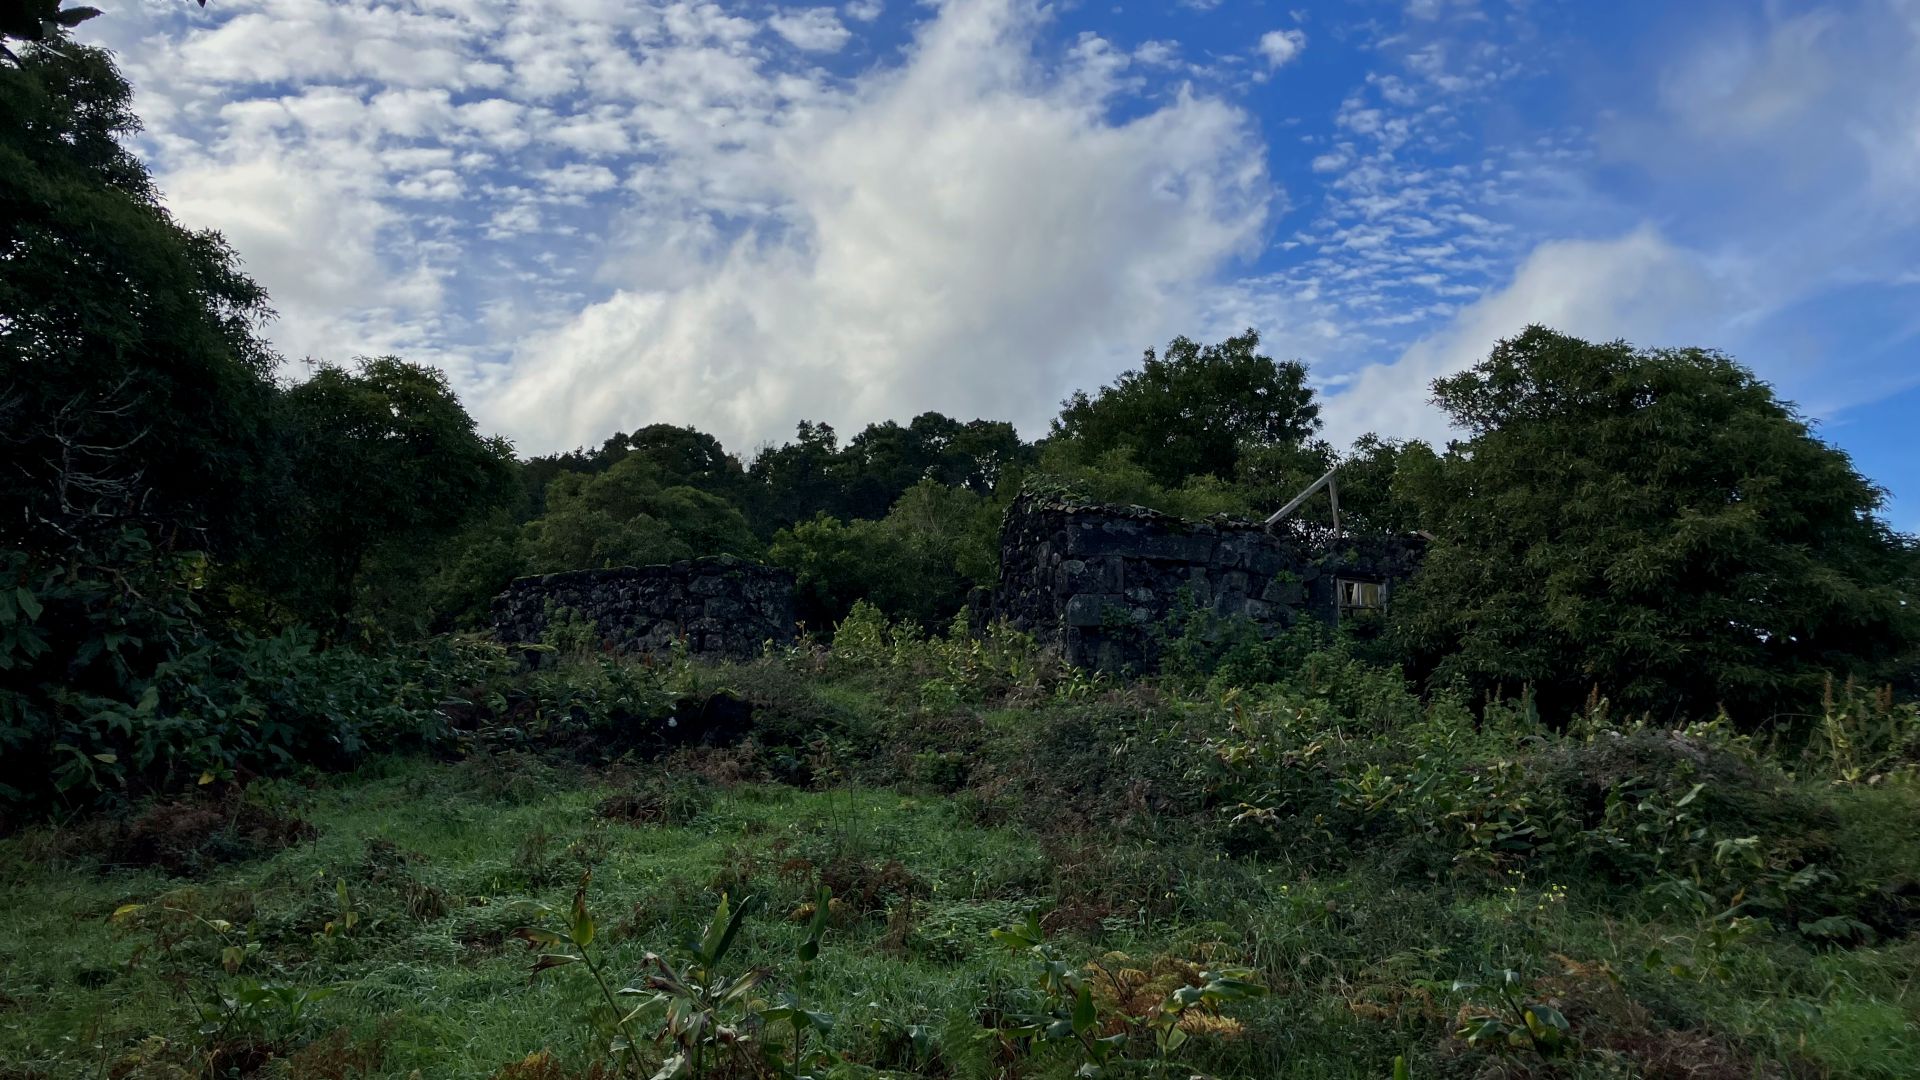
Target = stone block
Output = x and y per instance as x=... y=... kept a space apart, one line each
x=1089 y=609
x=1091 y=539
x=1282 y=591
x=1178 y=547
x=728 y=604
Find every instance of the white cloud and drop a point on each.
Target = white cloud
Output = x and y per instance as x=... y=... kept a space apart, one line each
x=1281 y=46
x=578 y=179
x=813 y=29
x=865 y=10
x=967 y=233
x=1157 y=53
x=1639 y=286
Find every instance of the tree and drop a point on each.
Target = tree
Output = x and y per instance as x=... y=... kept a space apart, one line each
x=1653 y=525
x=794 y=481
x=677 y=455
x=916 y=563
x=383 y=453
x=41 y=21
x=133 y=388
x=885 y=460
x=1373 y=498
x=625 y=517
x=1190 y=413
x=688 y=457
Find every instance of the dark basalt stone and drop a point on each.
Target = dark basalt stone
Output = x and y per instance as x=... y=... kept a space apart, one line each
x=718 y=606
x=1093 y=579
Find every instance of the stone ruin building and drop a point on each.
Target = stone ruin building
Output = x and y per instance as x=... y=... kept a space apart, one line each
x=720 y=606
x=1097 y=580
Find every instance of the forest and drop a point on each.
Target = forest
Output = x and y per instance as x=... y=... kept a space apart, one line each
x=1625 y=784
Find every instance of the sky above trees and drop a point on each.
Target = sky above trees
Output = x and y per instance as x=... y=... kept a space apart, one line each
x=598 y=214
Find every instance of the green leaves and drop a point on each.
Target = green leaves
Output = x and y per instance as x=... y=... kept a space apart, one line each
x=580 y=924
x=1517 y=1024
x=1192 y=411
x=1083 y=1016
x=817 y=925
x=712 y=946
x=1073 y=1013
x=1024 y=935
x=1653 y=523
x=697 y=1011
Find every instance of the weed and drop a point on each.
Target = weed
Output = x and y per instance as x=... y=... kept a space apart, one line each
x=664 y=798
x=701 y=1014
x=1098 y=1010
x=1506 y=1020
x=190 y=836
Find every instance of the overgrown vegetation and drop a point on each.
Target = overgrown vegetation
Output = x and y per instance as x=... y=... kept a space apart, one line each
x=1626 y=785
x=948 y=856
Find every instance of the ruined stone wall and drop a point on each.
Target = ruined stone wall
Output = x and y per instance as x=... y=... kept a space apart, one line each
x=721 y=606
x=1100 y=580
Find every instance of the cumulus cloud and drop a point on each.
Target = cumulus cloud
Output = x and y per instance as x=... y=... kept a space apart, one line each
x=1281 y=46
x=1639 y=286
x=813 y=29
x=967 y=233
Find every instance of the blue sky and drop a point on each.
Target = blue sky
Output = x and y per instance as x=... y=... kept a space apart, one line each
x=596 y=214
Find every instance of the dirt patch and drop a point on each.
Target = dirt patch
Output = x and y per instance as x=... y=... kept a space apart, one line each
x=241 y=1057
x=1608 y=1022
x=867 y=886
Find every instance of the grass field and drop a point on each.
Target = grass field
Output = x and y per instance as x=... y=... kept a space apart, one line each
x=370 y=915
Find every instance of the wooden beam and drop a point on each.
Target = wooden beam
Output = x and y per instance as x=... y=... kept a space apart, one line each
x=1281 y=514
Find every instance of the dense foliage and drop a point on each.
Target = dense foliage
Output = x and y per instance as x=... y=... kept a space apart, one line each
x=173 y=512
x=131 y=383
x=1195 y=410
x=1653 y=526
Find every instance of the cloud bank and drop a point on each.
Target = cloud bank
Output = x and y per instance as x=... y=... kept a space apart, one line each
x=598 y=214
x=967 y=233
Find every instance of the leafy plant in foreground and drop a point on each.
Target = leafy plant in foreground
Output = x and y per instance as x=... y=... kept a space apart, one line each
x=272 y=1010
x=705 y=1019
x=1070 y=1010
x=1512 y=1023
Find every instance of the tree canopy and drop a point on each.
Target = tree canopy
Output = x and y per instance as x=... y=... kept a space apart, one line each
x=1653 y=525
x=132 y=384
x=1192 y=411
x=626 y=517
x=383 y=453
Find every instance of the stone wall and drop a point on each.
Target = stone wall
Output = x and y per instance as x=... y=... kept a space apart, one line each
x=1099 y=581
x=721 y=606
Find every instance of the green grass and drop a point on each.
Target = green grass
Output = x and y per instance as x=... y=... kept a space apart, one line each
x=442 y=861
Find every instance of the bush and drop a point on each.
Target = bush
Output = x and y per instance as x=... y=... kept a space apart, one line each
x=915 y=564
x=115 y=684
